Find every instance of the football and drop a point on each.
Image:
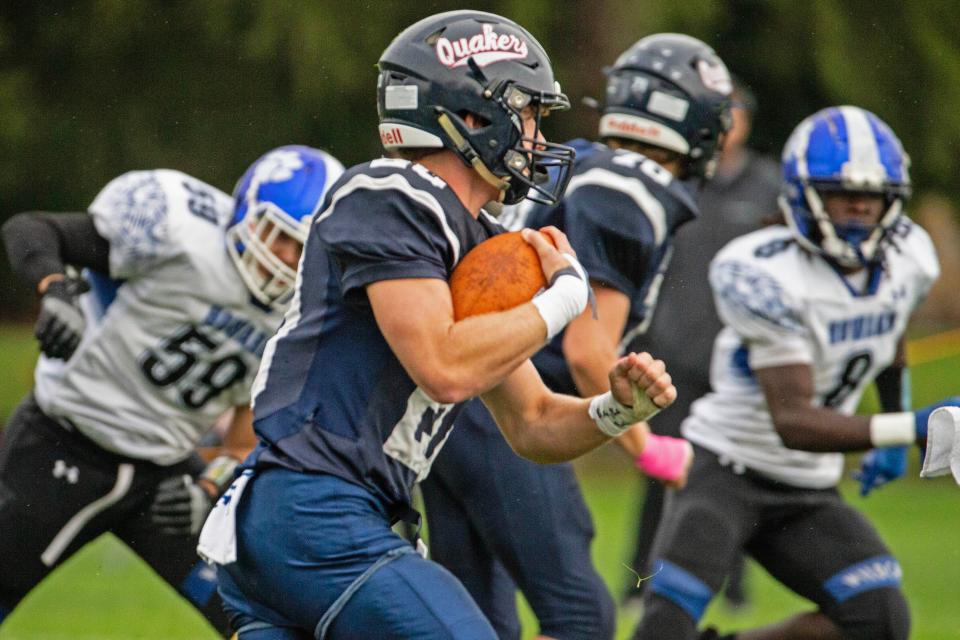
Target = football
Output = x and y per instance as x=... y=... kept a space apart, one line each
x=498 y=274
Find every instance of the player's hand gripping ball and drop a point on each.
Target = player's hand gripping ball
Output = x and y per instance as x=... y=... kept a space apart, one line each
x=500 y=273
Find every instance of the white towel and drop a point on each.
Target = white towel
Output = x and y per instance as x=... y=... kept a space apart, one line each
x=218 y=538
x=943 y=444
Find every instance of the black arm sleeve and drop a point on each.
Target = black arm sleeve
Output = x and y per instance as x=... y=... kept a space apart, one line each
x=889 y=384
x=39 y=244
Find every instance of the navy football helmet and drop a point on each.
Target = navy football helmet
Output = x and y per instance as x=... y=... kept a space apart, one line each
x=448 y=65
x=670 y=91
x=847 y=149
x=277 y=195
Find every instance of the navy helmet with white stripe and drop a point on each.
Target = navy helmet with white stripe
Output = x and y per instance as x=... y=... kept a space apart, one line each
x=470 y=62
x=671 y=91
x=848 y=149
x=277 y=195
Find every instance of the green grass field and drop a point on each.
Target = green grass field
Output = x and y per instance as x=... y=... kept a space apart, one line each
x=106 y=592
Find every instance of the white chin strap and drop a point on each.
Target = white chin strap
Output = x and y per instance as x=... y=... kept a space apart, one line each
x=836 y=247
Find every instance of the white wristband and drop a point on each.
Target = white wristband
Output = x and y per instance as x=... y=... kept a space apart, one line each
x=565 y=299
x=611 y=417
x=893 y=429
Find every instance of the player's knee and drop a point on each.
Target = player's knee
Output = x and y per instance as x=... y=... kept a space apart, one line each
x=878 y=614
x=664 y=619
x=685 y=590
x=675 y=602
x=869 y=603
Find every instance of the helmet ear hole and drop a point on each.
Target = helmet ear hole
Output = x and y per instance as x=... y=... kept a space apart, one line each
x=473 y=120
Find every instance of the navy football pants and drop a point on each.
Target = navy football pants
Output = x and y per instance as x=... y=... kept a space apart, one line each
x=304 y=539
x=499 y=522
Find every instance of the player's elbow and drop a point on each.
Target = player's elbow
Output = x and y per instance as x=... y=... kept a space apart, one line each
x=580 y=367
x=12 y=228
x=589 y=361
x=447 y=389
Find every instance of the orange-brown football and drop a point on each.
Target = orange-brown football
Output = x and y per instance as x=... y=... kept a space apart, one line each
x=498 y=274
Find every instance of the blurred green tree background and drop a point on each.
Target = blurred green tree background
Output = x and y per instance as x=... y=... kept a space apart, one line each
x=92 y=88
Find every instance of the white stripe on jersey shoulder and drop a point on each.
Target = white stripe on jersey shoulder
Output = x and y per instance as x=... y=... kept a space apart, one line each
x=396 y=182
x=632 y=187
x=291 y=321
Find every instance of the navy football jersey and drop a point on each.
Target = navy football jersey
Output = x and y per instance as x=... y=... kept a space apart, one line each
x=331 y=396
x=620 y=212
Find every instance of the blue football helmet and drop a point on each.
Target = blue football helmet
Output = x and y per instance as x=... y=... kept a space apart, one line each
x=847 y=149
x=277 y=195
x=471 y=62
x=671 y=91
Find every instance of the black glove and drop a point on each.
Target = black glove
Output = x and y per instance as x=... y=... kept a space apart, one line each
x=180 y=506
x=60 y=324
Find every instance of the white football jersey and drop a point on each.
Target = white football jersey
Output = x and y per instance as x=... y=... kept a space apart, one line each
x=173 y=338
x=782 y=305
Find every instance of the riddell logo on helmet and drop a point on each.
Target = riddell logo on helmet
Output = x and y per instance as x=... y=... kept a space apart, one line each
x=391 y=137
x=625 y=126
x=485 y=48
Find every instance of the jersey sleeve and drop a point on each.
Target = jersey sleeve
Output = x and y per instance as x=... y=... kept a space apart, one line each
x=384 y=234
x=132 y=213
x=927 y=262
x=614 y=236
x=759 y=308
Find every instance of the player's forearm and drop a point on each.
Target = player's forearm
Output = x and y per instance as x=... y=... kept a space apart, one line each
x=39 y=244
x=557 y=428
x=590 y=367
x=801 y=424
x=822 y=430
x=547 y=427
x=239 y=439
x=478 y=352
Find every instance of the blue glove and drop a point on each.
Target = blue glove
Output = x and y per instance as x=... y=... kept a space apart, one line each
x=880 y=466
x=922 y=416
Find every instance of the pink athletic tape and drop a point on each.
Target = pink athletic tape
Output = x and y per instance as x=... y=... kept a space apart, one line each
x=665 y=458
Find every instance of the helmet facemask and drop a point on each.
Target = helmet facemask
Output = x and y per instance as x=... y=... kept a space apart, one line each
x=530 y=167
x=270 y=279
x=849 y=244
